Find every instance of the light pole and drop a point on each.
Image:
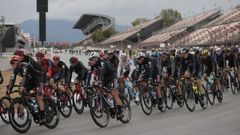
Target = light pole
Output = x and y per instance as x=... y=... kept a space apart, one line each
x=2 y=30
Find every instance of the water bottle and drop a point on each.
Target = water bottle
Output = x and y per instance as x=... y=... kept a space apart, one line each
x=111 y=103
x=154 y=94
x=33 y=105
x=211 y=79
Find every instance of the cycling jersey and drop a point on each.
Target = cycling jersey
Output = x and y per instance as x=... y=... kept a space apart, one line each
x=146 y=70
x=61 y=72
x=167 y=66
x=114 y=60
x=31 y=77
x=231 y=60
x=208 y=65
x=48 y=67
x=187 y=64
x=105 y=72
x=219 y=58
x=80 y=70
x=125 y=68
x=32 y=62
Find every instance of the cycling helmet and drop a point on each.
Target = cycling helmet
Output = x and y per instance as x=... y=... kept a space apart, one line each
x=123 y=55
x=140 y=54
x=184 y=50
x=93 y=55
x=40 y=55
x=73 y=60
x=19 y=52
x=56 y=58
x=14 y=58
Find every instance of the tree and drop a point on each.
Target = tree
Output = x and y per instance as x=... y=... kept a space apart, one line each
x=170 y=17
x=100 y=35
x=139 y=21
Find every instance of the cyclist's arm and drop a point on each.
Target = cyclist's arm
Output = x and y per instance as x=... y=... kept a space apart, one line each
x=12 y=81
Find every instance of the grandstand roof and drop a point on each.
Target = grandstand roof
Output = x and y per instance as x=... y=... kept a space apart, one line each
x=131 y=31
x=86 y=20
x=228 y=17
x=181 y=26
x=211 y=35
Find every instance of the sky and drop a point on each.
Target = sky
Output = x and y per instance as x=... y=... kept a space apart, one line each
x=124 y=11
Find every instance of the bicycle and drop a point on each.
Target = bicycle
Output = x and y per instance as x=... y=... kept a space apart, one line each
x=192 y=94
x=172 y=94
x=127 y=90
x=63 y=101
x=102 y=107
x=149 y=100
x=79 y=101
x=234 y=81
x=25 y=106
x=5 y=102
x=211 y=86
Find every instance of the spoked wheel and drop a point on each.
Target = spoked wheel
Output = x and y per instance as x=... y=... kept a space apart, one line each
x=163 y=108
x=189 y=98
x=219 y=95
x=127 y=114
x=19 y=116
x=64 y=104
x=234 y=85
x=52 y=114
x=99 y=113
x=211 y=93
x=146 y=101
x=169 y=97
x=204 y=98
x=78 y=102
x=4 y=106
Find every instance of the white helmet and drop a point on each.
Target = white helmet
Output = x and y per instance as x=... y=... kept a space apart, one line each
x=140 y=54
x=123 y=55
x=93 y=54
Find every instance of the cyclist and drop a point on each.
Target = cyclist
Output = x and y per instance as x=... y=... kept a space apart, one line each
x=27 y=59
x=209 y=67
x=106 y=78
x=31 y=79
x=48 y=69
x=147 y=71
x=125 y=70
x=61 y=73
x=82 y=74
x=113 y=59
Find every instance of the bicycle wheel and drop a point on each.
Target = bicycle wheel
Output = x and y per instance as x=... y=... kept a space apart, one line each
x=51 y=114
x=78 y=102
x=219 y=95
x=204 y=98
x=163 y=108
x=64 y=104
x=169 y=97
x=99 y=113
x=127 y=114
x=4 y=106
x=19 y=116
x=211 y=93
x=234 y=85
x=146 y=101
x=189 y=97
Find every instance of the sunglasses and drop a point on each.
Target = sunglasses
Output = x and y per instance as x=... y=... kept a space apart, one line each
x=91 y=59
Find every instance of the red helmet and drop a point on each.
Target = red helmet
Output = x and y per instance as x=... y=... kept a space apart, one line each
x=19 y=52
x=14 y=58
x=56 y=58
x=40 y=55
x=73 y=60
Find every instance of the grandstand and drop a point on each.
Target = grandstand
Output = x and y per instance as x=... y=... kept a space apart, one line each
x=181 y=29
x=88 y=23
x=221 y=31
x=134 y=34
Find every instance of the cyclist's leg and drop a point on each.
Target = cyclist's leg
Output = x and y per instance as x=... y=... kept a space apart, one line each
x=66 y=85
